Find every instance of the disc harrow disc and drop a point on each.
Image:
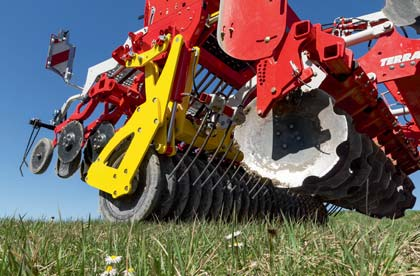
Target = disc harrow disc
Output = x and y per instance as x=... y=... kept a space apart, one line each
x=41 y=156
x=101 y=137
x=69 y=143
x=295 y=140
x=66 y=170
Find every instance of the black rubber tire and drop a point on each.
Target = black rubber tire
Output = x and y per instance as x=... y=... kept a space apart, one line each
x=168 y=186
x=182 y=190
x=217 y=203
x=191 y=209
x=243 y=214
x=140 y=204
x=301 y=207
x=253 y=187
x=206 y=192
x=261 y=201
x=227 y=196
x=41 y=156
x=237 y=198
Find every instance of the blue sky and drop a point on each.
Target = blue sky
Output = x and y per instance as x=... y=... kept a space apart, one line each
x=28 y=90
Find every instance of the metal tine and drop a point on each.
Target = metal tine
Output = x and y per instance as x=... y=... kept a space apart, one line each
x=245 y=174
x=206 y=140
x=249 y=180
x=230 y=165
x=211 y=160
x=213 y=78
x=259 y=190
x=266 y=192
x=338 y=211
x=203 y=122
x=29 y=145
x=258 y=182
x=220 y=162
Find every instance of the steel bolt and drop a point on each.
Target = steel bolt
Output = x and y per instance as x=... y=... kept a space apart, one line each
x=267 y=39
x=298 y=138
x=387 y=25
x=291 y=126
x=273 y=90
x=392 y=67
x=284 y=146
x=412 y=63
x=402 y=65
x=278 y=133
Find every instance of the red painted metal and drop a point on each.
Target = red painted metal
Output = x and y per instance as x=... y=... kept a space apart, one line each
x=277 y=55
x=251 y=30
x=123 y=101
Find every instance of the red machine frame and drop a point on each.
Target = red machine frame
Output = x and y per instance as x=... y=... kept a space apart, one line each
x=353 y=83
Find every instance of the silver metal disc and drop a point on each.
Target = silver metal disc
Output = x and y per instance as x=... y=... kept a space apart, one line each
x=295 y=140
x=70 y=141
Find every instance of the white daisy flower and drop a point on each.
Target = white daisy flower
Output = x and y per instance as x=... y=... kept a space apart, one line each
x=109 y=271
x=109 y=260
x=234 y=235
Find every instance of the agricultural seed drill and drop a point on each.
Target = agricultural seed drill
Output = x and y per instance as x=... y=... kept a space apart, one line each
x=206 y=114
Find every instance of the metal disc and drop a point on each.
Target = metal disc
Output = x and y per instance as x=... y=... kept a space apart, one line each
x=101 y=137
x=41 y=156
x=352 y=189
x=403 y=13
x=70 y=141
x=65 y=170
x=295 y=140
x=330 y=184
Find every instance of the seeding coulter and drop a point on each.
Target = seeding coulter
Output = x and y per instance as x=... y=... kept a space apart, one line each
x=240 y=109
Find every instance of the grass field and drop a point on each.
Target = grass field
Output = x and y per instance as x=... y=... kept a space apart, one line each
x=350 y=244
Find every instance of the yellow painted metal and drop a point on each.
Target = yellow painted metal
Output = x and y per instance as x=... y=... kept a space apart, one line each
x=161 y=137
x=142 y=126
x=140 y=60
x=185 y=129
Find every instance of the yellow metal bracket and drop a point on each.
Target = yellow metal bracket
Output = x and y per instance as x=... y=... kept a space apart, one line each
x=139 y=60
x=141 y=127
